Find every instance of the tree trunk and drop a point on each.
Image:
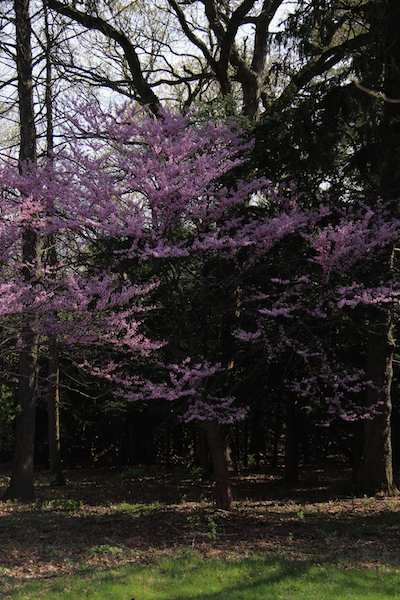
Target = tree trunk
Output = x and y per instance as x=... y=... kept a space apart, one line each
x=292 y=444
x=356 y=450
x=53 y=397
x=201 y=451
x=21 y=485
x=218 y=451
x=234 y=449
x=376 y=472
x=53 y=414
x=257 y=439
x=277 y=433
x=245 y=445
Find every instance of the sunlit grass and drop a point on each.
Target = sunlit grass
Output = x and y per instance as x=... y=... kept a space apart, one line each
x=135 y=508
x=188 y=576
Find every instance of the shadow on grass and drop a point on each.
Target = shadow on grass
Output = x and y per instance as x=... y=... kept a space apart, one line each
x=186 y=577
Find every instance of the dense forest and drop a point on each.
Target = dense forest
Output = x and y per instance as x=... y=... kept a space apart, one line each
x=198 y=229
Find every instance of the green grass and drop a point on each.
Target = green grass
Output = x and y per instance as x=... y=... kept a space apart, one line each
x=136 y=509
x=61 y=504
x=106 y=549
x=189 y=577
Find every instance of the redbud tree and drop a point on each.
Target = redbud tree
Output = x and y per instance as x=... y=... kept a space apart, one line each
x=137 y=205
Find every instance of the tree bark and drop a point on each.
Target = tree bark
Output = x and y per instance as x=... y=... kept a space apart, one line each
x=53 y=396
x=292 y=444
x=218 y=451
x=53 y=416
x=376 y=471
x=201 y=451
x=21 y=485
x=277 y=432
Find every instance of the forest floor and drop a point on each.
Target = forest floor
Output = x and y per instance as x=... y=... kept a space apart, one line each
x=107 y=518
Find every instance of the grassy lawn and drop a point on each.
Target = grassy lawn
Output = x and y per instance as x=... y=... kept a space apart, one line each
x=188 y=576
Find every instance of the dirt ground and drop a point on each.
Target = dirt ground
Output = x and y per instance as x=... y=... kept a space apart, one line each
x=112 y=517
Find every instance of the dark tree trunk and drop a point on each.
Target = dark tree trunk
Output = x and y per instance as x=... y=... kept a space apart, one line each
x=257 y=440
x=53 y=397
x=396 y=437
x=53 y=414
x=218 y=451
x=276 y=441
x=292 y=444
x=201 y=451
x=216 y=438
x=21 y=485
x=356 y=450
x=234 y=449
x=245 y=445
x=376 y=471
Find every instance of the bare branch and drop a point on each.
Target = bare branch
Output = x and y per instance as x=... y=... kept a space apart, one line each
x=144 y=91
